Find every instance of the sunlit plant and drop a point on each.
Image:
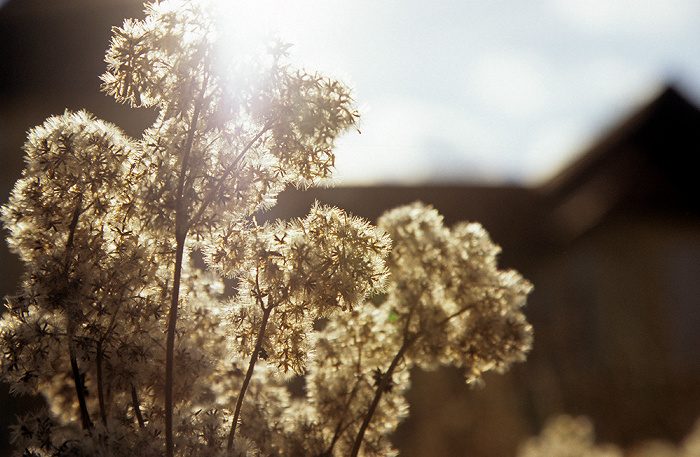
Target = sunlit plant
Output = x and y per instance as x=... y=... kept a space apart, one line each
x=568 y=436
x=123 y=321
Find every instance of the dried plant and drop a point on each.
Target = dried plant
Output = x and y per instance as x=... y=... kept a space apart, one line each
x=140 y=351
x=568 y=436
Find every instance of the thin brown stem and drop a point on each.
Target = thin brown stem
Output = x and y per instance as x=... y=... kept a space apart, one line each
x=221 y=181
x=181 y=226
x=381 y=388
x=386 y=377
x=170 y=347
x=75 y=369
x=79 y=390
x=137 y=407
x=453 y=315
x=100 y=388
x=181 y=229
x=249 y=374
x=73 y=226
x=99 y=351
x=341 y=427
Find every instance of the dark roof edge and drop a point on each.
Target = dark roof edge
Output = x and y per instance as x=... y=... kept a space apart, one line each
x=615 y=136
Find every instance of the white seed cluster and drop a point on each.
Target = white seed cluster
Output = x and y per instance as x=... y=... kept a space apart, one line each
x=136 y=344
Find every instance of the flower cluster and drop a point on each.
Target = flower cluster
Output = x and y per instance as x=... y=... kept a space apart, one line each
x=124 y=321
x=354 y=353
x=449 y=300
x=302 y=271
x=446 y=303
x=569 y=436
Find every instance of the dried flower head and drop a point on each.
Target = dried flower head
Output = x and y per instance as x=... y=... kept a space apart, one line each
x=132 y=339
x=448 y=296
x=567 y=436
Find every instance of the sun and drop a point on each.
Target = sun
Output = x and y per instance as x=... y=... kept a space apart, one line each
x=309 y=25
x=250 y=22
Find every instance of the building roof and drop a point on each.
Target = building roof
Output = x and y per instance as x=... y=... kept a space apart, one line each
x=647 y=160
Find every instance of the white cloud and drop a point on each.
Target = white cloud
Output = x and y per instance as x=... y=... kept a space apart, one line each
x=407 y=140
x=617 y=77
x=387 y=148
x=636 y=17
x=552 y=147
x=512 y=84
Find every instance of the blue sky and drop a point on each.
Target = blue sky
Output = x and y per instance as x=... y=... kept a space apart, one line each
x=506 y=91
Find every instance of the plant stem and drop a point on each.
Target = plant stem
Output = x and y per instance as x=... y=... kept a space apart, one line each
x=386 y=377
x=79 y=390
x=100 y=389
x=79 y=387
x=181 y=229
x=249 y=374
x=73 y=226
x=340 y=429
x=381 y=388
x=170 y=346
x=221 y=181
x=137 y=407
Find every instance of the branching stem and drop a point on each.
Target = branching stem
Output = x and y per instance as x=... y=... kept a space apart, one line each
x=341 y=427
x=381 y=388
x=386 y=377
x=181 y=228
x=249 y=374
x=221 y=181
x=73 y=226
x=98 y=366
x=77 y=377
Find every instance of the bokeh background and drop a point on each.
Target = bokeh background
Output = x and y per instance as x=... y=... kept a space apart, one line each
x=569 y=129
